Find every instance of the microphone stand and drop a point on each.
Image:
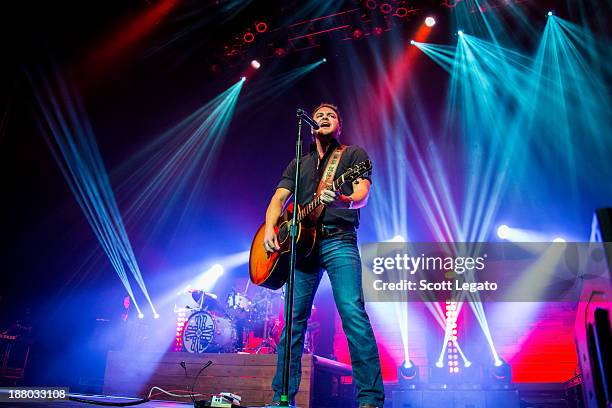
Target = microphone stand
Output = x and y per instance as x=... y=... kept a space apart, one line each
x=293 y=233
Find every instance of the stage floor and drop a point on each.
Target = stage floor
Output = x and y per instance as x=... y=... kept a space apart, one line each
x=541 y=395
x=75 y=404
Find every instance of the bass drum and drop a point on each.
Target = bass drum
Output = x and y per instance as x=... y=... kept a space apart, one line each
x=208 y=332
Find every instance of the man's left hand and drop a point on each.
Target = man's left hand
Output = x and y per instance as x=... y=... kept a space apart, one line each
x=334 y=199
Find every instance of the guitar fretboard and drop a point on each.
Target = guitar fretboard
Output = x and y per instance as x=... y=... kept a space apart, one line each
x=310 y=207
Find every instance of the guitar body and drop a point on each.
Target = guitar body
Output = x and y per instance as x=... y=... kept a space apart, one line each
x=271 y=270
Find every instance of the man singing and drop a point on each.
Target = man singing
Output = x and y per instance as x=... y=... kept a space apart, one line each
x=336 y=252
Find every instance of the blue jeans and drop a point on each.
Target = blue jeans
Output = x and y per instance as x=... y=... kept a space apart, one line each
x=338 y=255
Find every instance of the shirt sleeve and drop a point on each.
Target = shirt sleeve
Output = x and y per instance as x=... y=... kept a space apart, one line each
x=288 y=177
x=359 y=155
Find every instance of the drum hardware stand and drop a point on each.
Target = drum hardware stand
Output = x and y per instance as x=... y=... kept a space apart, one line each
x=267 y=332
x=246 y=288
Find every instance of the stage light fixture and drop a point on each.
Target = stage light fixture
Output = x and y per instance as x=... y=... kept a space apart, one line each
x=430 y=21
x=371 y=4
x=398 y=238
x=324 y=60
x=500 y=374
x=255 y=64
x=208 y=279
x=261 y=27
x=243 y=78
x=559 y=239
x=550 y=13
x=140 y=316
x=503 y=231
x=217 y=269
x=412 y=42
x=408 y=375
x=248 y=37
x=460 y=32
x=386 y=8
x=401 y=12
x=357 y=34
x=156 y=316
x=440 y=364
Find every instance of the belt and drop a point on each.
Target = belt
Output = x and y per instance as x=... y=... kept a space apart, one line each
x=329 y=230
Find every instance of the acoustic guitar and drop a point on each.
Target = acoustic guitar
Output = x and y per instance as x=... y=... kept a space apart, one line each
x=271 y=269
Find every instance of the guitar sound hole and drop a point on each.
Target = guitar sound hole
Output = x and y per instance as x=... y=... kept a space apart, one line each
x=283 y=232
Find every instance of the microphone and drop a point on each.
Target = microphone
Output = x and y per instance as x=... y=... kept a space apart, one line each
x=301 y=113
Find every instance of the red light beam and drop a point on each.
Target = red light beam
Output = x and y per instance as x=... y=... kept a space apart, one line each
x=110 y=52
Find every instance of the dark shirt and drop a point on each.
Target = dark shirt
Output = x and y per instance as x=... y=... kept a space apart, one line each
x=310 y=175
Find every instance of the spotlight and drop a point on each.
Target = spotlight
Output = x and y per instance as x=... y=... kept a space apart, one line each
x=357 y=34
x=324 y=60
x=460 y=32
x=467 y=363
x=430 y=21
x=140 y=316
x=408 y=375
x=397 y=238
x=386 y=8
x=503 y=231
x=261 y=27
x=243 y=78
x=248 y=37
x=377 y=31
x=401 y=12
x=500 y=374
x=550 y=13
x=559 y=239
x=207 y=280
x=280 y=52
x=371 y=4
x=216 y=269
x=412 y=42
x=439 y=364
x=255 y=64
x=156 y=316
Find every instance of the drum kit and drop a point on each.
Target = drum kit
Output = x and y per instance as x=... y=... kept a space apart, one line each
x=240 y=324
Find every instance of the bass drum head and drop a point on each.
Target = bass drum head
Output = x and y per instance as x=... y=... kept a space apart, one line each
x=208 y=332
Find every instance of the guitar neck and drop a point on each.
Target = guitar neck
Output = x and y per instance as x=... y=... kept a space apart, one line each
x=311 y=206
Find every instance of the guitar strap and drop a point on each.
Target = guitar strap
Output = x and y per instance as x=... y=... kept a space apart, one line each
x=326 y=179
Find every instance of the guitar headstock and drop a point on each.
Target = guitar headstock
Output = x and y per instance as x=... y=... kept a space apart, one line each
x=356 y=171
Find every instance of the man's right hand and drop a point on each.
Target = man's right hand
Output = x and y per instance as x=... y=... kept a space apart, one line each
x=270 y=240
x=281 y=195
